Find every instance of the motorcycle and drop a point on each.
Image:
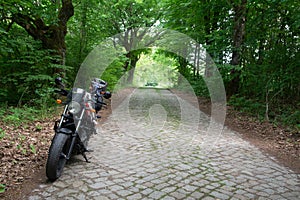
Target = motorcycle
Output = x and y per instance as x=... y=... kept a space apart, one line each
x=98 y=88
x=76 y=125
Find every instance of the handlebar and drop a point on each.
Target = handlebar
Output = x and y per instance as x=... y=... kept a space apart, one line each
x=62 y=92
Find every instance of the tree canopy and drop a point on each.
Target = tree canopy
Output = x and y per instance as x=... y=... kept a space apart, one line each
x=255 y=45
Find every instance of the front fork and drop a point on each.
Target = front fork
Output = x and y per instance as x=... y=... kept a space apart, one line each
x=74 y=137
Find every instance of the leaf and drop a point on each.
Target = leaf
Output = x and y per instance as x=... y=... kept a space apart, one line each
x=2 y=133
x=2 y=188
x=33 y=149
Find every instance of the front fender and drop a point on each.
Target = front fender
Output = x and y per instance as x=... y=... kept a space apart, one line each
x=64 y=131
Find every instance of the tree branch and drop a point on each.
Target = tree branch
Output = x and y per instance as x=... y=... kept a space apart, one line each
x=27 y=23
x=66 y=12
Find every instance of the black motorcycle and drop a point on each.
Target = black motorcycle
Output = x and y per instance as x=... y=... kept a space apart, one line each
x=76 y=125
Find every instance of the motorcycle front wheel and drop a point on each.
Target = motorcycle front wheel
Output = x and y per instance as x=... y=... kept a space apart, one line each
x=57 y=156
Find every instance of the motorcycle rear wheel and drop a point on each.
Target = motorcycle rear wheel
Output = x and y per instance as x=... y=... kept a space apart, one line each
x=57 y=156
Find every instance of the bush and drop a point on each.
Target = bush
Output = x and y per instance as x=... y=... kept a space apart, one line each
x=290 y=117
x=249 y=106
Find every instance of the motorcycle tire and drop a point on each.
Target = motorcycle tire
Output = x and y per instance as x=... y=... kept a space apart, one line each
x=57 y=156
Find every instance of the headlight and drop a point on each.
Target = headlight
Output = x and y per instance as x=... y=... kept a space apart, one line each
x=74 y=107
x=107 y=95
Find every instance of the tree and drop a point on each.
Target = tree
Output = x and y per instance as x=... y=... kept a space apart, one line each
x=33 y=48
x=35 y=18
x=128 y=17
x=206 y=21
x=239 y=9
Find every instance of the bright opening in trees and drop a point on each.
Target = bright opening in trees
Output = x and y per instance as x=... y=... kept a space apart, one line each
x=155 y=70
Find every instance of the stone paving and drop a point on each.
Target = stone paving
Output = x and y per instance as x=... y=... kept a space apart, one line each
x=158 y=146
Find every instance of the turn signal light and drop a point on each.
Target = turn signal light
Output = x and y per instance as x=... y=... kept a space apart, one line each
x=93 y=110
x=58 y=101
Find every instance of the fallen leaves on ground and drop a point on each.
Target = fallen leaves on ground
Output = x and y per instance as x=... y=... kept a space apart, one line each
x=23 y=150
x=23 y=155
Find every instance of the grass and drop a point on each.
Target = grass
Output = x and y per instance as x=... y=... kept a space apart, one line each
x=15 y=116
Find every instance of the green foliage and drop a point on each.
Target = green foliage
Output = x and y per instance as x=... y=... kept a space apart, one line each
x=27 y=64
x=281 y=114
x=2 y=188
x=92 y=23
x=200 y=87
x=38 y=127
x=19 y=146
x=26 y=69
x=17 y=115
x=32 y=148
x=113 y=73
x=208 y=22
x=2 y=133
x=248 y=106
x=128 y=14
x=268 y=72
x=290 y=117
x=42 y=8
x=156 y=68
x=225 y=71
x=24 y=151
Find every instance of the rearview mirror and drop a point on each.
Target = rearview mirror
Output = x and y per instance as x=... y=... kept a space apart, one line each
x=59 y=83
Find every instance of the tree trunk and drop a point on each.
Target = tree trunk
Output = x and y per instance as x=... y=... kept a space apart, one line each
x=182 y=69
x=239 y=31
x=83 y=39
x=209 y=27
x=130 y=65
x=195 y=61
x=52 y=36
x=134 y=60
x=238 y=39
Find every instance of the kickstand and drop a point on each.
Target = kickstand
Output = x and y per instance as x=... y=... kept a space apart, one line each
x=84 y=155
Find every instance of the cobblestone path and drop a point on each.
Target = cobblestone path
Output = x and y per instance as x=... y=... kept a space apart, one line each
x=157 y=146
